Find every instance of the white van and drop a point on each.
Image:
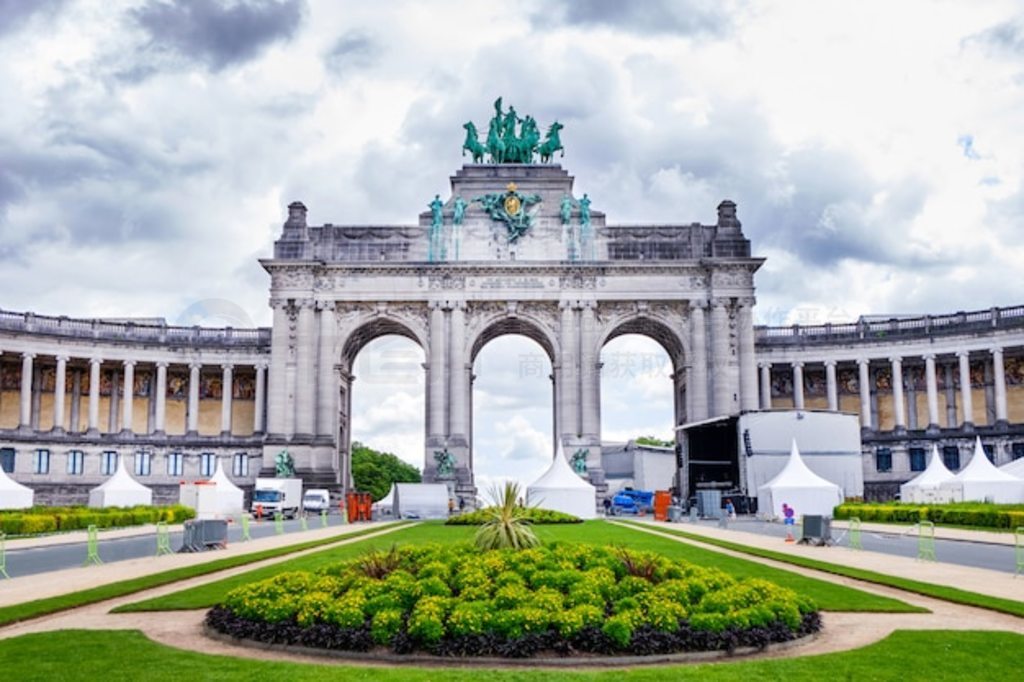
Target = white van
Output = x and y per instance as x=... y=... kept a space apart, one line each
x=316 y=500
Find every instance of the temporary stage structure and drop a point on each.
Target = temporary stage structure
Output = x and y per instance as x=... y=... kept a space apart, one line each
x=120 y=490
x=800 y=488
x=14 y=495
x=420 y=501
x=925 y=487
x=562 y=489
x=981 y=481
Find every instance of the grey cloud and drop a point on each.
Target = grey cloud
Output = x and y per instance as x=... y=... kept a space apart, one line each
x=683 y=17
x=353 y=51
x=218 y=33
x=16 y=13
x=1008 y=35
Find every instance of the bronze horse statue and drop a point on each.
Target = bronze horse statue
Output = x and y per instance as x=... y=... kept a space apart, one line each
x=473 y=144
x=551 y=144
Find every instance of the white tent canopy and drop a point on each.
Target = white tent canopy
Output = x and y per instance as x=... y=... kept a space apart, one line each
x=981 y=481
x=386 y=504
x=14 y=495
x=561 y=489
x=230 y=498
x=1014 y=468
x=925 y=487
x=120 y=490
x=420 y=500
x=800 y=488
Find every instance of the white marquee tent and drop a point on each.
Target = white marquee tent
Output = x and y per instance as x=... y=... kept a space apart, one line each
x=925 y=486
x=1014 y=468
x=800 y=488
x=385 y=506
x=562 y=489
x=120 y=490
x=420 y=500
x=14 y=495
x=980 y=481
x=230 y=498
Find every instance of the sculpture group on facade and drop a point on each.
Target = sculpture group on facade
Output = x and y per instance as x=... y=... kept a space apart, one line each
x=506 y=145
x=284 y=465
x=445 y=462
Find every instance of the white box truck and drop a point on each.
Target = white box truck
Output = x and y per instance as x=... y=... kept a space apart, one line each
x=273 y=495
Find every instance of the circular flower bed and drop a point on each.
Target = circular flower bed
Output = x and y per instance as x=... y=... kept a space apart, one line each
x=529 y=514
x=565 y=598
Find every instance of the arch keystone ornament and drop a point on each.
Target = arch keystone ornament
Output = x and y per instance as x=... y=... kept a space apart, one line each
x=527 y=256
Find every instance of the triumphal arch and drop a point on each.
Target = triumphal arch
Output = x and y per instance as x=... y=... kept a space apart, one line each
x=511 y=249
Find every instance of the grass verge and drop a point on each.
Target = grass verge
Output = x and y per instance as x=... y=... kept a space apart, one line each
x=904 y=656
x=41 y=607
x=950 y=594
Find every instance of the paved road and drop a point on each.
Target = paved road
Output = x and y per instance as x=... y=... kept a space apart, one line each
x=32 y=560
x=976 y=554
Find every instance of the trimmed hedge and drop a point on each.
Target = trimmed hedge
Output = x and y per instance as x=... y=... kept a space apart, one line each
x=52 y=519
x=955 y=514
x=530 y=515
x=458 y=601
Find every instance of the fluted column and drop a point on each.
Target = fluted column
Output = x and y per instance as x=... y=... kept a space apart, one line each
x=127 y=409
x=305 y=374
x=436 y=374
x=697 y=386
x=831 y=388
x=965 y=387
x=326 y=374
x=59 y=385
x=864 y=384
x=458 y=423
x=226 y=395
x=25 y=413
x=193 y=398
x=277 y=390
x=590 y=379
x=94 y=395
x=261 y=392
x=898 y=411
x=798 y=385
x=766 y=385
x=565 y=375
x=160 y=418
x=720 y=352
x=748 y=361
x=933 y=391
x=999 y=381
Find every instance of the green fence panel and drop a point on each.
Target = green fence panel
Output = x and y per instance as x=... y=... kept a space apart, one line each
x=323 y=519
x=855 y=533
x=303 y=523
x=93 y=548
x=245 y=528
x=279 y=523
x=926 y=541
x=163 y=539
x=3 y=555
x=1019 y=538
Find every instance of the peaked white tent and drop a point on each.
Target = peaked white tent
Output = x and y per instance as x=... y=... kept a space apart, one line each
x=561 y=489
x=385 y=506
x=230 y=498
x=120 y=490
x=14 y=495
x=420 y=500
x=1014 y=468
x=800 y=488
x=980 y=481
x=925 y=486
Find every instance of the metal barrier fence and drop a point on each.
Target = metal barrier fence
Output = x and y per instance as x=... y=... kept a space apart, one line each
x=279 y=523
x=303 y=524
x=3 y=555
x=926 y=541
x=245 y=527
x=163 y=539
x=323 y=518
x=854 y=530
x=1019 y=551
x=92 y=548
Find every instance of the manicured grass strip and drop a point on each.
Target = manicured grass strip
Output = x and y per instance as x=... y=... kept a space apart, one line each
x=904 y=656
x=950 y=594
x=210 y=594
x=42 y=607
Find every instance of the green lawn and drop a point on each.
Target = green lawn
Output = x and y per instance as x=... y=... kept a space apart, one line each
x=829 y=596
x=932 y=656
x=951 y=594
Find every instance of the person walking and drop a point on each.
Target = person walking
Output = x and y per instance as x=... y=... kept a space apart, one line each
x=789 y=520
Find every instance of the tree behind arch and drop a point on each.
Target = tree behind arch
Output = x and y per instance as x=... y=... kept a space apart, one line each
x=373 y=472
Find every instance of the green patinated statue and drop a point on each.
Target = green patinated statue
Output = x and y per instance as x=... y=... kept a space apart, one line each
x=585 y=211
x=579 y=461
x=459 y=210
x=436 y=248
x=445 y=463
x=472 y=143
x=566 y=209
x=510 y=208
x=506 y=144
x=284 y=465
x=552 y=143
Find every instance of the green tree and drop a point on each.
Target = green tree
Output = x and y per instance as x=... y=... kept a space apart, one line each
x=373 y=472
x=656 y=442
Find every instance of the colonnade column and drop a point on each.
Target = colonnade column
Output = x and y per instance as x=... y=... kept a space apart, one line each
x=863 y=383
x=458 y=391
x=933 y=391
x=435 y=378
x=193 y=398
x=327 y=376
x=160 y=419
x=830 y=385
x=590 y=398
x=965 y=388
x=25 y=413
x=94 y=395
x=277 y=396
x=261 y=392
x=58 y=393
x=129 y=395
x=565 y=375
x=748 y=367
x=697 y=386
x=798 y=385
x=226 y=395
x=999 y=379
x=720 y=351
x=766 y=385
x=899 y=414
x=305 y=375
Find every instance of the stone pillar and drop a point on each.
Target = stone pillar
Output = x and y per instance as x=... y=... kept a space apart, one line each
x=999 y=381
x=798 y=385
x=720 y=352
x=76 y=399
x=933 y=391
x=436 y=378
x=458 y=387
x=590 y=370
x=94 y=396
x=748 y=361
x=25 y=413
x=127 y=413
x=277 y=390
x=831 y=389
x=305 y=372
x=326 y=375
x=193 y=398
x=345 y=427
x=59 y=385
x=226 y=395
x=965 y=388
x=898 y=411
x=566 y=408
x=160 y=419
x=766 y=385
x=864 y=384
x=260 y=398
x=115 y=402
x=697 y=386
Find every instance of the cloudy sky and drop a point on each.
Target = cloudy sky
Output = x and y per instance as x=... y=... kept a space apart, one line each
x=148 y=149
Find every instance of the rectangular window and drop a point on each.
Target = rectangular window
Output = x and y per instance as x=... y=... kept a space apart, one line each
x=207 y=464
x=918 y=459
x=240 y=465
x=143 y=463
x=951 y=457
x=41 y=462
x=1017 y=450
x=990 y=451
x=7 y=460
x=175 y=464
x=108 y=463
x=76 y=462
x=883 y=459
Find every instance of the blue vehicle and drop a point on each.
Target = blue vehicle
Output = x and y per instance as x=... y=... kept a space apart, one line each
x=629 y=501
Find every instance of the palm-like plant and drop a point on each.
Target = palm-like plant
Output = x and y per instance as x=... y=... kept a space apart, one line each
x=506 y=525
